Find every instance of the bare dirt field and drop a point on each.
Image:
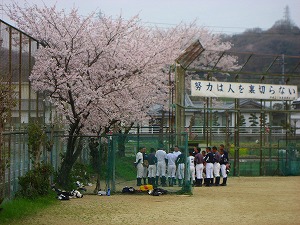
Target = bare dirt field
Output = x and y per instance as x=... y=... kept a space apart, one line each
x=246 y=200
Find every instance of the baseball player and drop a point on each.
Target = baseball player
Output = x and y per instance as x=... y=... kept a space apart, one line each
x=139 y=166
x=224 y=162
x=180 y=168
x=216 y=166
x=191 y=160
x=170 y=159
x=152 y=160
x=161 y=166
x=199 y=167
x=177 y=153
x=209 y=159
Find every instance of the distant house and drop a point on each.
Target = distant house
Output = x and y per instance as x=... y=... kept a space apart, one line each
x=253 y=115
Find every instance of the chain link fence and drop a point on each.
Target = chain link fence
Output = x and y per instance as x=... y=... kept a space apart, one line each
x=124 y=149
x=107 y=162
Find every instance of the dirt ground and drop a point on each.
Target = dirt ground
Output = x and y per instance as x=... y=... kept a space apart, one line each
x=246 y=200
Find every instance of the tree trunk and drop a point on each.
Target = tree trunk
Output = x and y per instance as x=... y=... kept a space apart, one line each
x=122 y=140
x=74 y=148
x=63 y=179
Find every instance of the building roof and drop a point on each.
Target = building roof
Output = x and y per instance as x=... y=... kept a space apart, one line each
x=194 y=106
x=247 y=103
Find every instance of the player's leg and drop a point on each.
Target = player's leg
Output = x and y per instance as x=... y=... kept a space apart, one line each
x=212 y=174
x=153 y=176
x=217 y=173
x=140 y=171
x=192 y=170
x=169 y=174
x=201 y=174
x=150 y=170
x=158 y=172
x=176 y=175
x=180 y=171
x=163 y=174
x=173 y=174
x=209 y=174
x=197 y=175
x=224 y=175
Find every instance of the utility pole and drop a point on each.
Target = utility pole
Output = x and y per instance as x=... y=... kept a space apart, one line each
x=282 y=68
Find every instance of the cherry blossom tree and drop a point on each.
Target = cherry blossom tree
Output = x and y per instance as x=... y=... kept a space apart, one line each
x=101 y=71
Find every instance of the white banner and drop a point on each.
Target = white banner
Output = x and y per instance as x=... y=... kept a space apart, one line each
x=220 y=89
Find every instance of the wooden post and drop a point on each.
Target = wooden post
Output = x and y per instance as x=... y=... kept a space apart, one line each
x=179 y=102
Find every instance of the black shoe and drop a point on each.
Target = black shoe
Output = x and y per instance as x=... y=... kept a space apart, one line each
x=163 y=181
x=138 y=181
x=200 y=182
x=197 y=184
x=207 y=182
x=224 y=182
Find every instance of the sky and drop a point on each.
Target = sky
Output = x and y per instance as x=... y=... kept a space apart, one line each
x=219 y=16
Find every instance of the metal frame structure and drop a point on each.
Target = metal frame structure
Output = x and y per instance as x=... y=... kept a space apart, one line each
x=182 y=63
x=275 y=68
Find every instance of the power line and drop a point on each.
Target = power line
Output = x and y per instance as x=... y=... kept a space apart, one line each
x=229 y=30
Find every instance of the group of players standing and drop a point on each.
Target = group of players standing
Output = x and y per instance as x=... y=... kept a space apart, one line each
x=203 y=166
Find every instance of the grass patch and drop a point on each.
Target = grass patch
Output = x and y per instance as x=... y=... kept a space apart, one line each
x=125 y=168
x=20 y=208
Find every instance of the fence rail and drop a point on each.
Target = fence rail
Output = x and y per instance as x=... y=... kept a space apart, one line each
x=278 y=156
x=213 y=130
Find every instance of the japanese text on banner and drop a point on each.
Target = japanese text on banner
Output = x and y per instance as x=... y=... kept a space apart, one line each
x=243 y=90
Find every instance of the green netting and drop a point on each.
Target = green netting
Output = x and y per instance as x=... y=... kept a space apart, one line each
x=116 y=154
x=121 y=156
x=288 y=157
x=281 y=159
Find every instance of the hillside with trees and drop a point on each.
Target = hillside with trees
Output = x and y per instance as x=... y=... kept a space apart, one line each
x=279 y=42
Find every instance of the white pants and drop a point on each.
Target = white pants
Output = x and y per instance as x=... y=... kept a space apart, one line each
x=139 y=170
x=209 y=170
x=192 y=171
x=180 y=171
x=152 y=171
x=171 y=170
x=223 y=171
x=161 y=169
x=199 y=171
x=216 y=169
